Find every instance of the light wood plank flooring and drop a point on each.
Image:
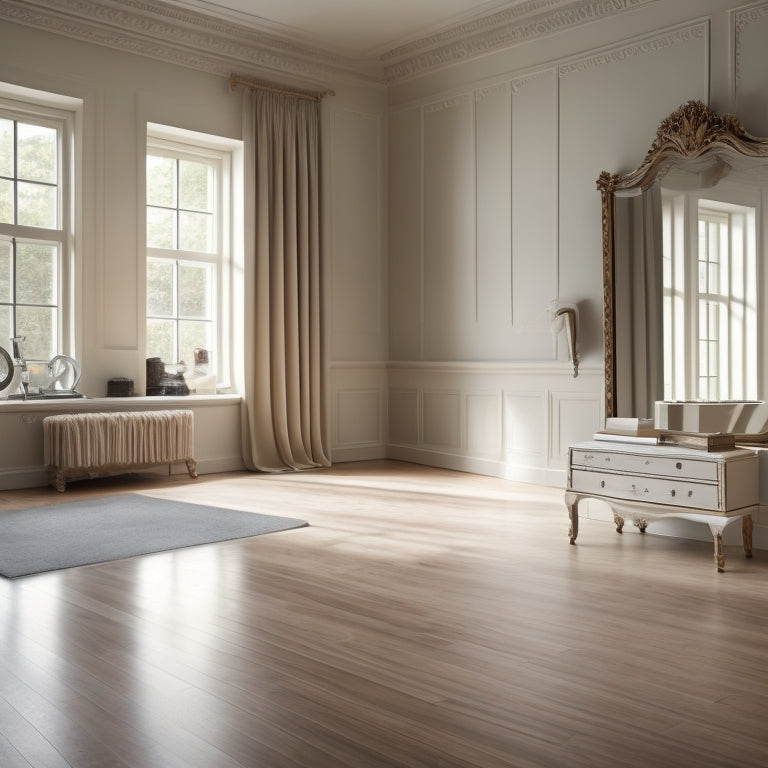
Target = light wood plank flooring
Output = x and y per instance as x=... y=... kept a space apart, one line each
x=425 y=618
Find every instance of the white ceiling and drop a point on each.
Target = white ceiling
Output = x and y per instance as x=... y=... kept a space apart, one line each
x=357 y=29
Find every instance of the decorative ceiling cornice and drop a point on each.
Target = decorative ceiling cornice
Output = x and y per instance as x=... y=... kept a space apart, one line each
x=196 y=40
x=152 y=28
x=511 y=26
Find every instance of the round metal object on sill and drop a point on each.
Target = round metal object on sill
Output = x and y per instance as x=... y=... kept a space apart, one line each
x=6 y=369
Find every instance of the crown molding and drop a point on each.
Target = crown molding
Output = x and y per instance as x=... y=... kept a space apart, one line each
x=188 y=38
x=503 y=29
x=193 y=39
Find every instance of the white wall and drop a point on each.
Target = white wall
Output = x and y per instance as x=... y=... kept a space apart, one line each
x=458 y=203
x=122 y=92
x=494 y=211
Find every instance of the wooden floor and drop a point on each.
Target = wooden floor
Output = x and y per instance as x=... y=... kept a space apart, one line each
x=425 y=618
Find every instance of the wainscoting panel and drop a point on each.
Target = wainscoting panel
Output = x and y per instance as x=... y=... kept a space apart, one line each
x=524 y=440
x=357 y=411
x=441 y=425
x=404 y=416
x=359 y=418
x=483 y=424
x=573 y=418
x=493 y=419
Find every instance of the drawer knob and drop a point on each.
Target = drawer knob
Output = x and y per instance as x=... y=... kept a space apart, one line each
x=690 y=493
x=679 y=465
x=602 y=483
x=672 y=492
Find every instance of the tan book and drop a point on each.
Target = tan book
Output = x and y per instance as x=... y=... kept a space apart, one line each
x=703 y=441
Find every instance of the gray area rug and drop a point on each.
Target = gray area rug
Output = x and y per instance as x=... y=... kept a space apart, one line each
x=113 y=527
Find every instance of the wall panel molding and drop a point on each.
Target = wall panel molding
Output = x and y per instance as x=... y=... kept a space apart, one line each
x=508 y=27
x=495 y=419
x=358 y=422
x=643 y=47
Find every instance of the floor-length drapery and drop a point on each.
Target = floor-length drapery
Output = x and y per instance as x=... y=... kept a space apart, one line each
x=283 y=421
x=639 y=291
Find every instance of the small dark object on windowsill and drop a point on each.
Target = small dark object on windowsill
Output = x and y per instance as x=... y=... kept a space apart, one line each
x=120 y=387
x=162 y=382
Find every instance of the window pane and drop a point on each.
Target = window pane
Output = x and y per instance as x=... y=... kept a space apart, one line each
x=6 y=201
x=38 y=326
x=161 y=228
x=160 y=340
x=196 y=231
x=195 y=186
x=37 y=205
x=193 y=334
x=36 y=273
x=6 y=147
x=6 y=329
x=6 y=265
x=37 y=153
x=161 y=181
x=195 y=291
x=160 y=289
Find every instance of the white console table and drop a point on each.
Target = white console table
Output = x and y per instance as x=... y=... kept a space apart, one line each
x=645 y=482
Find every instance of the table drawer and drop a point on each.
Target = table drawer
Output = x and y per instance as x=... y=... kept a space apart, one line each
x=665 y=466
x=654 y=490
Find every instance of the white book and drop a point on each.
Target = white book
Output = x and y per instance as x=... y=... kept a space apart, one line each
x=617 y=437
x=627 y=424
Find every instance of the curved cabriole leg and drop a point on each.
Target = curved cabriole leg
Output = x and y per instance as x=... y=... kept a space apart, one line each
x=746 y=534
x=618 y=522
x=573 y=513
x=192 y=468
x=719 y=556
x=573 y=530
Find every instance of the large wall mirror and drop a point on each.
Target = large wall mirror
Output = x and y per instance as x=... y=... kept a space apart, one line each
x=685 y=263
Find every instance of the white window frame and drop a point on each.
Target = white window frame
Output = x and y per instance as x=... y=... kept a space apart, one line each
x=733 y=208
x=182 y=144
x=61 y=113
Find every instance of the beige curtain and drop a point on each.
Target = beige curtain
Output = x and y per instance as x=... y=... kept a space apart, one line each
x=639 y=326
x=283 y=406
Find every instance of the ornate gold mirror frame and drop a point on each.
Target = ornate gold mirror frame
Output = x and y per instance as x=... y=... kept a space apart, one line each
x=692 y=132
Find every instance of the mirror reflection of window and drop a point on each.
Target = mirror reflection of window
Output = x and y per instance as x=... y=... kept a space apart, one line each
x=710 y=295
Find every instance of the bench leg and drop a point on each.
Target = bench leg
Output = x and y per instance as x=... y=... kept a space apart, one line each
x=746 y=534
x=59 y=480
x=192 y=468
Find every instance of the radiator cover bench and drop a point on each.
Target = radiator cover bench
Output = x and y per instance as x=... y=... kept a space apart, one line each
x=86 y=444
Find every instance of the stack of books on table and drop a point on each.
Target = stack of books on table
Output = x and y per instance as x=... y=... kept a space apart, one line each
x=621 y=429
x=631 y=430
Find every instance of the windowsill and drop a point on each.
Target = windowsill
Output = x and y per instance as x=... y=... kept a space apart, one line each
x=117 y=403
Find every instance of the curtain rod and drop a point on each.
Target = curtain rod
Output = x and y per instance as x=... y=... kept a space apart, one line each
x=235 y=80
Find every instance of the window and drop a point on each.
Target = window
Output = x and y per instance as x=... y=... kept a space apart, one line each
x=188 y=251
x=710 y=248
x=35 y=228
